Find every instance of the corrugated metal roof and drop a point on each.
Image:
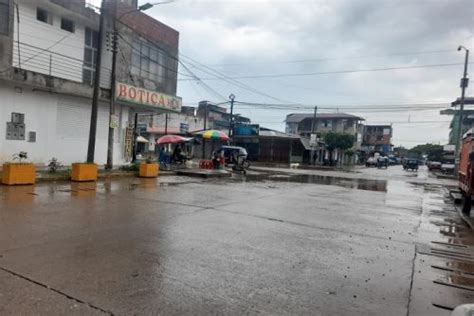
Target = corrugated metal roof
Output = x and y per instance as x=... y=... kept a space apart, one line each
x=266 y=132
x=467 y=100
x=298 y=117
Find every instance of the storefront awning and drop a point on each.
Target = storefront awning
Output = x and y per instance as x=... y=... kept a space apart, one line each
x=141 y=139
x=305 y=141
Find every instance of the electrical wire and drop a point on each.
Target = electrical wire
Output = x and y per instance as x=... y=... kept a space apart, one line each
x=204 y=85
x=335 y=58
x=230 y=80
x=334 y=72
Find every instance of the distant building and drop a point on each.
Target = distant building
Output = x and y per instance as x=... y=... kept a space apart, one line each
x=301 y=124
x=267 y=145
x=377 y=138
x=468 y=120
x=217 y=117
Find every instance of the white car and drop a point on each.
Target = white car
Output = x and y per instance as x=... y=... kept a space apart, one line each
x=371 y=162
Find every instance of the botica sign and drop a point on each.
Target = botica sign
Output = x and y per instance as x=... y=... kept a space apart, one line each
x=147 y=98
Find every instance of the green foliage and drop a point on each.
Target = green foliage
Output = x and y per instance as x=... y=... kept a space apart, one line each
x=432 y=151
x=338 y=141
x=400 y=151
x=349 y=152
x=130 y=167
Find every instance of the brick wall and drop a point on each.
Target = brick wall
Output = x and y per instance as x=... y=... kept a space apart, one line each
x=149 y=28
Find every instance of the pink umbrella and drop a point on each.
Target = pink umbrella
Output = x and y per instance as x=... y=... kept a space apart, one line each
x=171 y=139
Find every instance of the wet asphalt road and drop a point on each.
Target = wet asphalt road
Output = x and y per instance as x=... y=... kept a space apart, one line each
x=305 y=242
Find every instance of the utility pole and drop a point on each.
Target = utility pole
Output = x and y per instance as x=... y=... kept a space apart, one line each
x=135 y=136
x=95 y=94
x=206 y=113
x=166 y=123
x=464 y=84
x=313 y=127
x=110 y=140
x=231 y=122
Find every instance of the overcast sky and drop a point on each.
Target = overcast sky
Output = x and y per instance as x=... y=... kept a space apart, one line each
x=242 y=38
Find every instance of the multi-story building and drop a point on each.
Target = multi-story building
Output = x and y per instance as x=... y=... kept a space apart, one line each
x=467 y=122
x=302 y=124
x=48 y=53
x=377 y=138
x=217 y=116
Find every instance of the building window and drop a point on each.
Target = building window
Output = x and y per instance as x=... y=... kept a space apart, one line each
x=147 y=61
x=67 y=25
x=90 y=56
x=43 y=16
x=4 y=17
x=327 y=124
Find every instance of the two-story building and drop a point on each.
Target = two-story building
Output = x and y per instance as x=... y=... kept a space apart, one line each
x=48 y=53
x=217 y=117
x=377 y=138
x=302 y=124
x=467 y=122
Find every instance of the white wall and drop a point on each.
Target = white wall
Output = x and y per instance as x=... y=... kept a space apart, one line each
x=61 y=124
x=65 y=49
x=195 y=123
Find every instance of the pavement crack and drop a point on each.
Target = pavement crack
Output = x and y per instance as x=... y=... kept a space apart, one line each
x=411 y=281
x=311 y=226
x=75 y=299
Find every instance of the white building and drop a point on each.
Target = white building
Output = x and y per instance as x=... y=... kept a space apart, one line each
x=47 y=63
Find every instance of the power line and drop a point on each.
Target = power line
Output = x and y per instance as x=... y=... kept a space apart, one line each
x=351 y=106
x=373 y=123
x=335 y=58
x=334 y=72
x=204 y=85
x=233 y=81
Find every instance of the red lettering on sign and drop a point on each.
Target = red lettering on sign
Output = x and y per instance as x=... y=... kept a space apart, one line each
x=140 y=95
x=153 y=98
x=132 y=93
x=122 y=90
x=162 y=101
x=148 y=97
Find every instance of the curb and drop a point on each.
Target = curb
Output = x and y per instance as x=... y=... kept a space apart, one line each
x=454 y=194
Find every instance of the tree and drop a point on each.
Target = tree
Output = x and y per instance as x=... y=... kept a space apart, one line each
x=431 y=151
x=338 y=141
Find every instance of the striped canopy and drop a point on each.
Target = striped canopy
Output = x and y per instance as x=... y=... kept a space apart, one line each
x=214 y=134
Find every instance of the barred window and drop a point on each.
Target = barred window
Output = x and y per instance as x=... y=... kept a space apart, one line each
x=148 y=61
x=4 y=17
x=90 y=56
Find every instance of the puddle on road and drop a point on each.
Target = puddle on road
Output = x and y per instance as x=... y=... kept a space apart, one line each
x=360 y=184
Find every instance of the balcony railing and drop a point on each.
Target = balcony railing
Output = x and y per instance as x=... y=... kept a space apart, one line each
x=47 y=62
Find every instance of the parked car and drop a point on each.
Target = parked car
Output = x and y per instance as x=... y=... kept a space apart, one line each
x=371 y=162
x=411 y=164
x=447 y=168
x=392 y=160
x=382 y=162
x=434 y=165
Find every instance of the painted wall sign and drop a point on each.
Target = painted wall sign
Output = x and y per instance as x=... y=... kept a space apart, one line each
x=147 y=98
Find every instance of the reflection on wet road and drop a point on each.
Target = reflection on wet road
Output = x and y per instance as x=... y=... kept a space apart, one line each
x=368 y=242
x=360 y=184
